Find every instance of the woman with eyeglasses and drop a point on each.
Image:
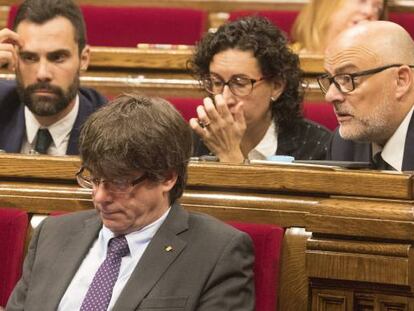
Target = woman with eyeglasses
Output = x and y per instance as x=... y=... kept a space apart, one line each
x=254 y=108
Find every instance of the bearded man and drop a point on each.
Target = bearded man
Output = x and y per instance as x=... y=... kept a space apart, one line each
x=370 y=82
x=43 y=110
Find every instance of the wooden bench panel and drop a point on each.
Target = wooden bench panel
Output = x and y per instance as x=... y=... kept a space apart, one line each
x=349 y=233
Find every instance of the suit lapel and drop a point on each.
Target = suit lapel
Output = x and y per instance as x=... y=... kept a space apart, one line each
x=287 y=143
x=408 y=159
x=163 y=249
x=69 y=259
x=85 y=109
x=14 y=134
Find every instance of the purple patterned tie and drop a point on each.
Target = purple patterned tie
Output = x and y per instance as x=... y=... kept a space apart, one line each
x=100 y=291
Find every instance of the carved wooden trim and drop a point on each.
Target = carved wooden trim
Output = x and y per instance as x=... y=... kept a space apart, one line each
x=331 y=300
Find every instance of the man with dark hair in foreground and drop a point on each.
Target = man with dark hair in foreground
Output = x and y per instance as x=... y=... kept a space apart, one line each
x=139 y=249
x=43 y=110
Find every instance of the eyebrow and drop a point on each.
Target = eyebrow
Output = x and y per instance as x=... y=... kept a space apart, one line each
x=232 y=76
x=52 y=53
x=348 y=68
x=59 y=52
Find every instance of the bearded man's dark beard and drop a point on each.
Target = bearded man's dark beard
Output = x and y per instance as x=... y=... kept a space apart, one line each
x=47 y=105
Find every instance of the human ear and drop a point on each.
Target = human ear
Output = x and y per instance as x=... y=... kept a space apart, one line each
x=85 y=58
x=404 y=81
x=169 y=181
x=278 y=88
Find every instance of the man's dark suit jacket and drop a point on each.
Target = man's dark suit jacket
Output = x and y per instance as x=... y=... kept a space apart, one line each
x=209 y=266
x=306 y=141
x=347 y=150
x=13 y=125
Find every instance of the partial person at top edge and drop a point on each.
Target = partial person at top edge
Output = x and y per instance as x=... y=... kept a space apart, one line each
x=370 y=83
x=43 y=109
x=254 y=107
x=320 y=21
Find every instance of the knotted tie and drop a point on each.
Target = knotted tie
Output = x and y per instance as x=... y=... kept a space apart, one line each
x=379 y=163
x=100 y=291
x=44 y=139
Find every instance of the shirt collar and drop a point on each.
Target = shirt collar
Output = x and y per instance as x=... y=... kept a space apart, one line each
x=393 y=151
x=267 y=146
x=58 y=130
x=137 y=238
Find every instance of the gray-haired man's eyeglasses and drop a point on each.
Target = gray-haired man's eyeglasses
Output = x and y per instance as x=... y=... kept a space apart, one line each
x=345 y=83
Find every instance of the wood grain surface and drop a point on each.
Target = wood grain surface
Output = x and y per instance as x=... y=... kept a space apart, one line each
x=349 y=234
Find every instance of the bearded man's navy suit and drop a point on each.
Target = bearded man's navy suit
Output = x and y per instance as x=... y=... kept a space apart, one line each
x=13 y=125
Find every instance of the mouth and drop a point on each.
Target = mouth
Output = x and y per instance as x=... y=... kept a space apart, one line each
x=105 y=212
x=343 y=116
x=233 y=107
x=44 y=92
x=359 y=21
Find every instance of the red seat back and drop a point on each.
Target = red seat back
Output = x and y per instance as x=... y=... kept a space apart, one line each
x=267 y=241
x=322 y=113
x=319 y=112
x=13 y=228
x=405 y=19
x=128 y=26
x=282 y=19
x=186 y=106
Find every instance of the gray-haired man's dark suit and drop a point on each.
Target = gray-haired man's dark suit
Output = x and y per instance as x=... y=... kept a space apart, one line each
x=209 y=268
x=348 y=150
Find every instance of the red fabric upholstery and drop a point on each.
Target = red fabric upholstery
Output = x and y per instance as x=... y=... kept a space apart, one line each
x=267 y=241
x=11 y=16
x=187 y=106
x=405 y=19
x=282 y=19
x=13 y=227
x=127 y=26
x=319 y=112
x=322 y=113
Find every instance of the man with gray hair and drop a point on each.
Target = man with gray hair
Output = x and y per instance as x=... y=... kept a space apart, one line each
x=139 y=249
x=370 y=82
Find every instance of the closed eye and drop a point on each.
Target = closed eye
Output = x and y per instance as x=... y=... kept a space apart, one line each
x=58 y=56
x=28 y=57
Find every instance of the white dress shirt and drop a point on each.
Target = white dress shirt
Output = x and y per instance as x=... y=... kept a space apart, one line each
x=60 y=131
x=267 y=146
x=393 y=151
x=137 y=243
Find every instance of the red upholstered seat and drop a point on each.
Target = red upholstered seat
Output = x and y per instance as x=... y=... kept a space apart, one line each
x=282 y=19
x=187 y=106
x=267 y=241
x=13 y=227
x=405 y=19
x=322 y=113
x=319 y=112
x=127 y=26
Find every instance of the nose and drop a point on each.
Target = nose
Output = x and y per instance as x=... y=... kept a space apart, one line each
x=333 y=94
x=228 y=95
x=370 y=10
x=101 y=195
x=44 y=71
